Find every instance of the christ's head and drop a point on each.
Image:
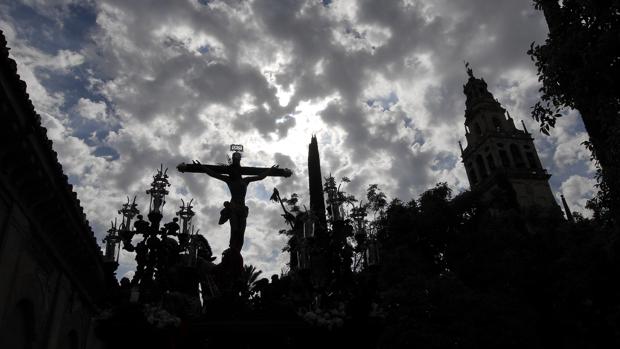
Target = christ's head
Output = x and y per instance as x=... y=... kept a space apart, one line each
x=236 y=158
x=236 y=165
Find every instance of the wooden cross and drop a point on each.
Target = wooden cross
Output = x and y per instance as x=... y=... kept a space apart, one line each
x=197 y=167
x=235 y=210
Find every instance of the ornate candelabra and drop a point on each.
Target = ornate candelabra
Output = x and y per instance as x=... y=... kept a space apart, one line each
x=172 y=260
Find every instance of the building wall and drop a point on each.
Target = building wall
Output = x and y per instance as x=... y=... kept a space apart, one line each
x=31 y=278
x=534 y=193
x=52 y=274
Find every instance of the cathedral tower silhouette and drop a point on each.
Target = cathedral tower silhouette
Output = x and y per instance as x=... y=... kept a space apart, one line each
x=498 y=156
x=317 y=200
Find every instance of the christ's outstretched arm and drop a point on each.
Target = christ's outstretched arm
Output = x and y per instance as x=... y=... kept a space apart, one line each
x=215 y=175
x=261 y=176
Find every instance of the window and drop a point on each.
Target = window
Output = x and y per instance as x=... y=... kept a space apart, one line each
x=531 y=160
x=477 y=129
x=491 y=162
x=472 y=173
x=516 y=156
x=480 y=166
x=497 y=125
x=504 y=158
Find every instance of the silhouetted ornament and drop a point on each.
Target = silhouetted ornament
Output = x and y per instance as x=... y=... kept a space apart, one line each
x=158 y=190
x=129 y=210
x=186 y=213
x=289 y=217
x=334 y=200
x=172 y=228
x=112 y=241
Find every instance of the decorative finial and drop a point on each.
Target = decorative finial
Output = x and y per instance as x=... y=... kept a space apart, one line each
x=470 y=72
x=158 y=190
x=524 y=128
x=567 y=211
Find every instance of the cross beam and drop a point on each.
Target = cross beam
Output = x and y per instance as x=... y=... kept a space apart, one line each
x=223 y=169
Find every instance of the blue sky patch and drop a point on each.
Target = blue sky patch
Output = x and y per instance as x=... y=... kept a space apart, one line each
x=386 y=102
x=69 y=32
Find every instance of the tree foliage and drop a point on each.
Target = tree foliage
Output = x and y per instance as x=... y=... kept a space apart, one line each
x=457 y=273
x=579 y=68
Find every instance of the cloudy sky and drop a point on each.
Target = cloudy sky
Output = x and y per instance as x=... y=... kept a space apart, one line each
x=124 y=86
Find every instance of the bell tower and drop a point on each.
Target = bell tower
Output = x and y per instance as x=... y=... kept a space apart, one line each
x=499 y=154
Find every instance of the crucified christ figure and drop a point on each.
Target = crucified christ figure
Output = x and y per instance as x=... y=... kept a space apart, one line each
x=235 y=210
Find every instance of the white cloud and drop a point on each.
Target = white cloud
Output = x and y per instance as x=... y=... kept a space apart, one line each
x=572 y=150
x=577 y=190
x=92 y=110
x=174 y=81
x=66 y=59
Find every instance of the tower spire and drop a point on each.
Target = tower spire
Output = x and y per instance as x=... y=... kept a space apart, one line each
x=497 y=151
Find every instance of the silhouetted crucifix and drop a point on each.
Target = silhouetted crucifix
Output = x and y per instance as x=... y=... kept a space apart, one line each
x=235 y=210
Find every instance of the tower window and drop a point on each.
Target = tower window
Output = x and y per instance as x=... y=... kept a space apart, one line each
x=480 y=166
x=504 y=158
x=477 y=129
x=491 y=162
x=472 y=173
x=497 y=125
x=516 y=156
x=530 y=159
